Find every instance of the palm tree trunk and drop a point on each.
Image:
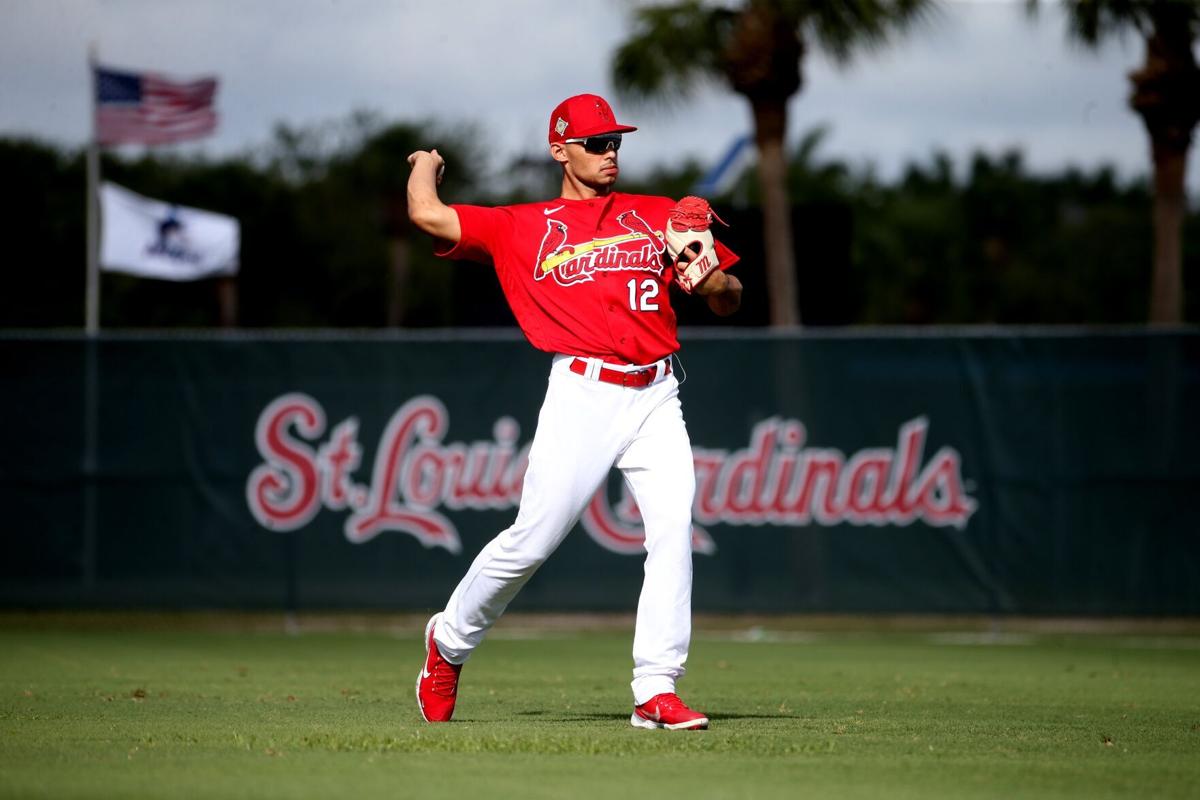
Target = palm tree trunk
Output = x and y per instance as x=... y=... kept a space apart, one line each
x=770 y=122
x=227 y=301
x=401 y=264
x=1166 y=94
x=1170 y=208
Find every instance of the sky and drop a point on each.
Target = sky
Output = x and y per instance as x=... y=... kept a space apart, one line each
x=978 y=76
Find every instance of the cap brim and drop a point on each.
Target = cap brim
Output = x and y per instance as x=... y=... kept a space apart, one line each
x=604 y=130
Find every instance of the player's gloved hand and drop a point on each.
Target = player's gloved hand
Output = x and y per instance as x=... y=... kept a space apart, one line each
x=690 y=242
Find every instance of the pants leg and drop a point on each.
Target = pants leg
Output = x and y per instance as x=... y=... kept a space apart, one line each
x=572 y=451
x=658 y=468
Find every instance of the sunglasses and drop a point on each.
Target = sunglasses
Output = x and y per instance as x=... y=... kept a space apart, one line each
x=598 y=145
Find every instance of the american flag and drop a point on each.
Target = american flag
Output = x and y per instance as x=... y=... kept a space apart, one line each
x=144 y=108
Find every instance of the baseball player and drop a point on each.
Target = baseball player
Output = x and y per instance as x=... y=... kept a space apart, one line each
x=588 y=277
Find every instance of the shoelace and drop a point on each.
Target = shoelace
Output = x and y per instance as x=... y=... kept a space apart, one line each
x=444 y=678
x=671 y=702
x=693 y=213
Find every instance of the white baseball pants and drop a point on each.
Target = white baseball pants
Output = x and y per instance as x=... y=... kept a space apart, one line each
x=586 y=427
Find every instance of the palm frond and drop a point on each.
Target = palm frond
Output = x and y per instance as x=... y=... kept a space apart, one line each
x=1090 y=21
x=840 y=27
x=672 y=49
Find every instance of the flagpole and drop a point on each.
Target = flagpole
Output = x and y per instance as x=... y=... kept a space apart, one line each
x=91 y=381
x=92 y=295
x=92 y=299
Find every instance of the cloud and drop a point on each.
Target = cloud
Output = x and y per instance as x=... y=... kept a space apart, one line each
x=977 y=76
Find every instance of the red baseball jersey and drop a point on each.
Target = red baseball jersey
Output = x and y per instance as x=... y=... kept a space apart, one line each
x=583 y=277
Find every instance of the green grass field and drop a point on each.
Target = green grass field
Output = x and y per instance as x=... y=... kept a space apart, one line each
x=117 y=708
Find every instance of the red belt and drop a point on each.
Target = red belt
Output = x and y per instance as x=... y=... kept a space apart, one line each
x=636 y=378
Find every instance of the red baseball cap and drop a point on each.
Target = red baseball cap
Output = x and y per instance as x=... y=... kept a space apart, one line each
x=584 y=115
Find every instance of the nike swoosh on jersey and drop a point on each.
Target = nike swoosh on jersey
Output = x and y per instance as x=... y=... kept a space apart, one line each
x=549 y=211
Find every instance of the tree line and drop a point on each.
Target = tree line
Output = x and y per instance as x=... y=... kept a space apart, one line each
x=757 y=49
x=326 y=241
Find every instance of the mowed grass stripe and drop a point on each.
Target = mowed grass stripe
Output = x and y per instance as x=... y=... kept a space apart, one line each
x=201 y=714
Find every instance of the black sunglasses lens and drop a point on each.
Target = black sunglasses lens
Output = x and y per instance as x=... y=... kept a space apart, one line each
x=598 y=145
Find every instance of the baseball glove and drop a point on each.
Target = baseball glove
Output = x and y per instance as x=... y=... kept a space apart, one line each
x=688 y=235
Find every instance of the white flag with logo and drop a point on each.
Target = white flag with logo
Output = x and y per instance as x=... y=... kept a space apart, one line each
x=146 y=237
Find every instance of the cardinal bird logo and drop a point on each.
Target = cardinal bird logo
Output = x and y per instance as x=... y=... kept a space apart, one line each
x=552 y=242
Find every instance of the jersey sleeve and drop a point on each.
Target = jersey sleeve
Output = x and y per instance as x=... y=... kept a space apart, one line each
x=479 y=234
x=726 y=258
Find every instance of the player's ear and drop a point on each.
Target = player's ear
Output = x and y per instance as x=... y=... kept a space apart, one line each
x=558 y=151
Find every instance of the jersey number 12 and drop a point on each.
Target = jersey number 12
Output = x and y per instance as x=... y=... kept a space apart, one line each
x=645 y=300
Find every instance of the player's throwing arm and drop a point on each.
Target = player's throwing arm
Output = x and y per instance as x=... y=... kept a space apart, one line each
x=425 y=208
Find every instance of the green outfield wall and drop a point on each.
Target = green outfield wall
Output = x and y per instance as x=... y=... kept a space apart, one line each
x=1030 y=472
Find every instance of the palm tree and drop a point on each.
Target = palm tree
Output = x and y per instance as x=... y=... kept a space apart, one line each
x=757 y=49
x=1166 y=94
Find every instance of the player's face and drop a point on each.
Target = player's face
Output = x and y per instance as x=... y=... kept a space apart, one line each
x=592 y=168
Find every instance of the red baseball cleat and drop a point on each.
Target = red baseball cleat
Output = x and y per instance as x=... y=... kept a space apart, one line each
x=437 y=682
x=667 y=711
